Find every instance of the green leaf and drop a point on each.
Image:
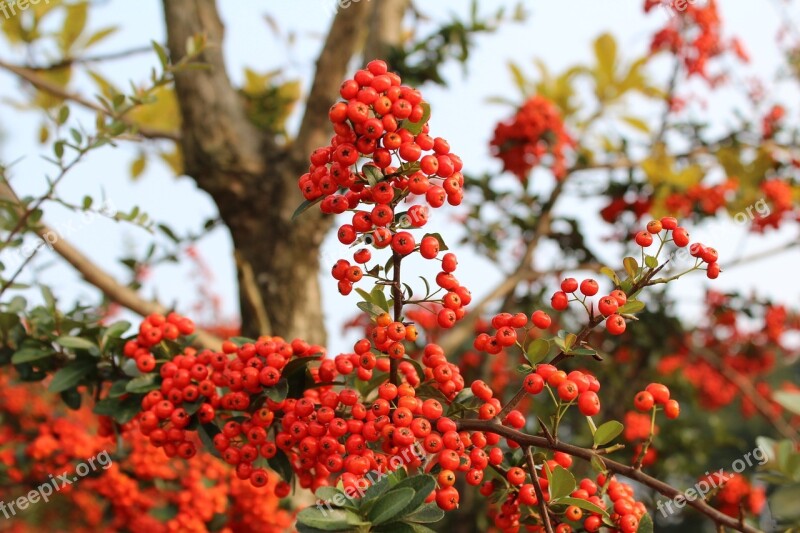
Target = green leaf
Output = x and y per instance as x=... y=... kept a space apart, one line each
x=27 y=355
x=63 y=115
x=631 y=266
x=583 y=504
x=329 y=519
x=115 y=331
x=390 y=505
x=631 y=307
x=71 y=375
x=537 y=351
x=207 y=432
x=280 y=464
x=645 y=524
x=783 y=503
x=76 y=343
x=788 y=400
x=562 y=483
x=607 y=432
x=427 y=514
x=370 y=308
x=598 y=464
x=143 y=384
x=415 y=128
x=438 y=237
x=304 y=206
x=650 y=261
x=403 y=527
x=163 y=58
x=279 y=391
x=120 y=410
x=422 y=485
x=71 y=398
x=569 y=341
x=611 y=275
x=372 y=173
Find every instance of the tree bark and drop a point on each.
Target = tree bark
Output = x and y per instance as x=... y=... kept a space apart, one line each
x=252 y=180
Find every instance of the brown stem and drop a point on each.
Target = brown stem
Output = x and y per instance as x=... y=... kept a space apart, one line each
x=523 y=439
x=397 y=298
x=543 y=511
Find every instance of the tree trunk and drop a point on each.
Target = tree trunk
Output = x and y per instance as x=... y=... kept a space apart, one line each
x=252 y=180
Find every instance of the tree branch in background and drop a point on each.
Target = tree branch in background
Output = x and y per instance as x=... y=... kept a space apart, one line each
x=343 y=40
x=93 y=274
x=42 y=84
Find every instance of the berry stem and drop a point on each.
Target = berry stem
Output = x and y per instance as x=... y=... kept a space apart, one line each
x=543 y=510
x=397 y=298
x=523 y=439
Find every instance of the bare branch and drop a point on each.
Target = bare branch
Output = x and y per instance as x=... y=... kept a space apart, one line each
x=343 y=40
x=42 y=84
x=115 y=291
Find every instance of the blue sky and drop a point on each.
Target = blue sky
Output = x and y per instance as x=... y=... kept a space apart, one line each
x=560 y=33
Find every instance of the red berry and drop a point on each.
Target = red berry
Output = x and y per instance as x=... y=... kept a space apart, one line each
x=672 y=409
x=644 y=239
x=643 y=401
x=589 y=403
x=559 y=301
x=589 y=287
x=680 y=236
x=541 y=319
x=660 y=392
x=569 y=285
x=615 y=324
x=607 y=305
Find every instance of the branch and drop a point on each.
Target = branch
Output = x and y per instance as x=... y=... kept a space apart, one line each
x=543 y=510
x=69 y=61
x=96 y=276
x=746 y=387
x=47 y=86
x=385 y=28
x=222 y=149
x=340 y=45
x=491 y=426
x=458 y=334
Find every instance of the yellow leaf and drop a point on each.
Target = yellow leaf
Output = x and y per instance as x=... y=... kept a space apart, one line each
x=605 y=49
x=636 y=123
x=174 y=159
x=519 y=78
x=74 y=24
x=60 y=77
x=162 y=114
x=100 y=35
x=44 y=133
x=138 y=165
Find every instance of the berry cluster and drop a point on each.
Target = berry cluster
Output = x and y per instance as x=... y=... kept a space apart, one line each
x=535 y=130
x=624 y=511
x=654 y=395
x=383 y=125
x=695 y=37
x=152 y=331
x=607 y=305
x=679 y=235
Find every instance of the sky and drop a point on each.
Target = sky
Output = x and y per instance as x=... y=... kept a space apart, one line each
x=560 y=33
